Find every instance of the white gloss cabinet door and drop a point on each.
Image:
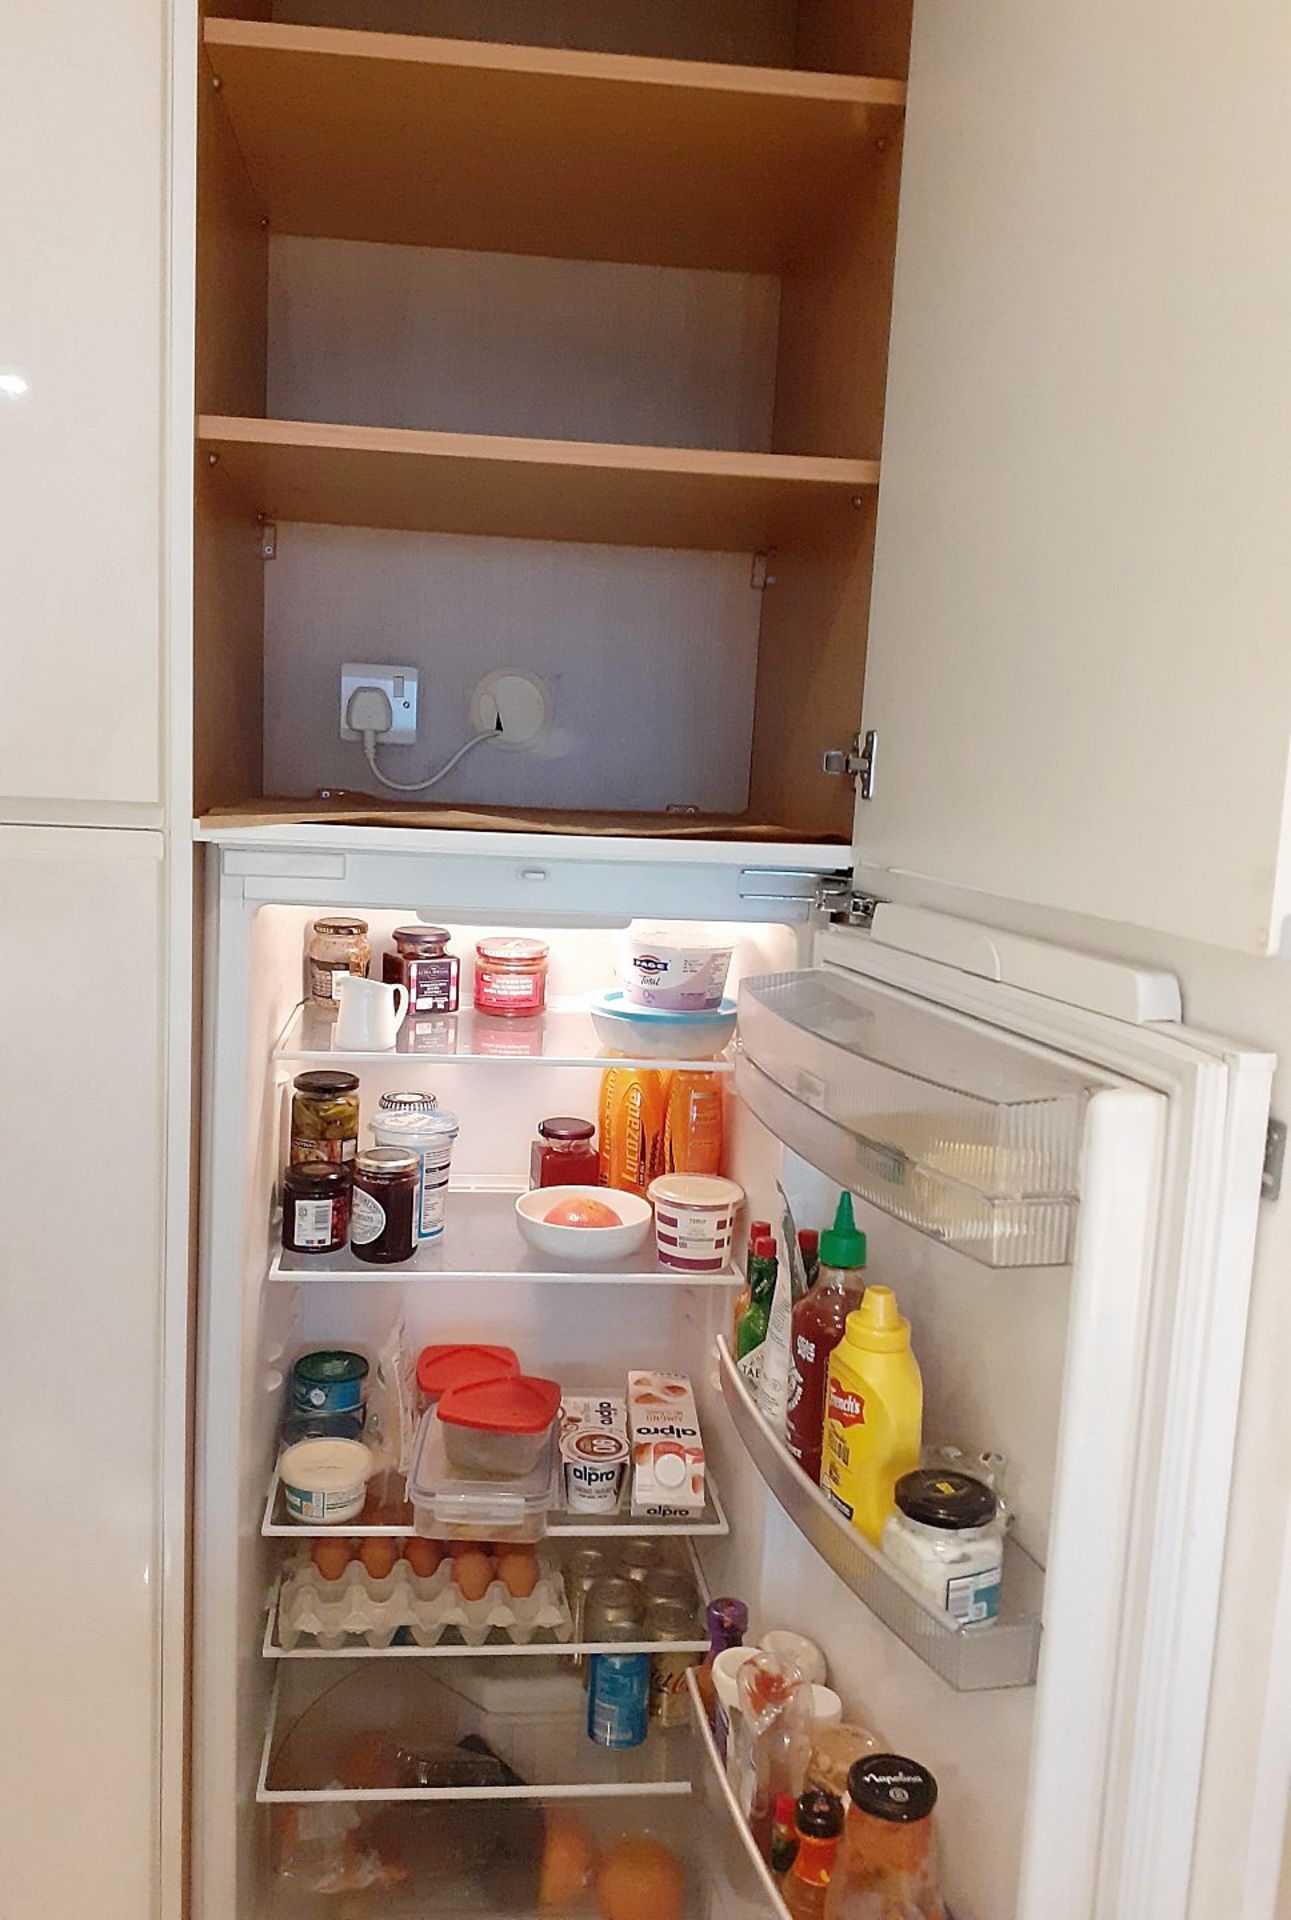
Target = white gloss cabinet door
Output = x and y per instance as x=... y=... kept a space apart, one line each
x=1078 y=665
x=83 y=186
x=81 y=1144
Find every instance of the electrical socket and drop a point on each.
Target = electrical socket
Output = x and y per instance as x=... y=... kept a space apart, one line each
x=400 y=687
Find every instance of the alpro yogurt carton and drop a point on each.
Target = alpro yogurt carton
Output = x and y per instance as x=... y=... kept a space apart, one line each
x=593 y=1451
x=667 y=1447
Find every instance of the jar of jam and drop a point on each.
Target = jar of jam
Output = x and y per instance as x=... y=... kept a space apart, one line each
x=383 y=1218
x=337 y=945
x=324 y=1116
x=315 y=1207
x=422 y=963
x=563 y=1154
x=511 y=976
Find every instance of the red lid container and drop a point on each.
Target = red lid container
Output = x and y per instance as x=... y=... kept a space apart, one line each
x=515 y=1403
x=442 y=1368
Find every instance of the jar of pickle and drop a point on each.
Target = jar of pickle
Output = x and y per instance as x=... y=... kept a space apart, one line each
x=422 y=963
x=337 y=945
x=324 y=1116
x=511 y=976
x=383 y=1217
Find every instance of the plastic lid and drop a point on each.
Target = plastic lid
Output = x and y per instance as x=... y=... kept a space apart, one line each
x=325 y=1080
x=340 y=923
x=783 y=1810
x=385 y=1160
x=890 y=1787
x=525 y=953
x=696 y=1190
x=758 y=1228
x=565 y=1126
x=809 y=1239
x=877 y=1324
x=727 y=1616
x=818 y=1814
x=515 y=1403
x=439 y=1368
x=945 y=1499
x=843 y=1244
x=330 y=1366
x=407 y=1103
x=438 y=936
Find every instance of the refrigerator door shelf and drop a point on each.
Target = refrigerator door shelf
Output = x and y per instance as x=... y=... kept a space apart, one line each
x=547 y=1745
x=481 y=1241
x=711 y=1521
x=562 y=1037
x=975 y=1145
x=969 y=1659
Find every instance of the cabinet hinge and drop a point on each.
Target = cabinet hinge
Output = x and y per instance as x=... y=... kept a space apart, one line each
x=853 y=908
x=760 y=577
x=1275 y=1153
x=268 y=539
x=858 y=761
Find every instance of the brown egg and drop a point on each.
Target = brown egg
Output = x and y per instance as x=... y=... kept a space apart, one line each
x=518 y=1571
x=379 y=1555
x=568 y=1861
x=458 y=1547
x=332 y=1557
x=473 y=1572
x=423 y=1556
x=639 y=1879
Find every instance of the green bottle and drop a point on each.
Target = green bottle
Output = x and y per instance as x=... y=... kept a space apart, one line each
x=752 y=1330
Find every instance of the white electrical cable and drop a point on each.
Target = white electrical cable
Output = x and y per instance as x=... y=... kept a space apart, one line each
x=419 y=786
x=370 y=715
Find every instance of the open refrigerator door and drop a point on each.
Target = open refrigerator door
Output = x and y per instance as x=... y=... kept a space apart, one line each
x=393 y=1707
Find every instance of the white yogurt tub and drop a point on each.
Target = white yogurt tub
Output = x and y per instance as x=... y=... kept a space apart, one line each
x=593 y=1466
x=674 y=967
x=694 y=1220
x=325 y=1482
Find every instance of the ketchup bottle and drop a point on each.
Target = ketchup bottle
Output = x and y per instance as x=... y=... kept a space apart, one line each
x=818 y=1323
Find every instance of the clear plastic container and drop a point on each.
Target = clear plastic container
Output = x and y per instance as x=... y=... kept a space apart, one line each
x=449 y=1504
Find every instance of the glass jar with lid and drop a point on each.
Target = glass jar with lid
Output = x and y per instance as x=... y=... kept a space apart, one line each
x=315 y=1206
x=511 y=976
x=422 y=963
x=324 y=1116
x=383 y=1216
x=338 y=944
x=563 y=1154
x=417 y=1123
x=947 y=1535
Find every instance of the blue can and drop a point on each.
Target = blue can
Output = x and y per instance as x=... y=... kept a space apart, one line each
x=618 y=1697
x=329 y=1382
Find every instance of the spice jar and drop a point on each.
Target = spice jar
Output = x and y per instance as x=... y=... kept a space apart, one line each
x=563 y=1154
x=315 y=1206
x=422 y=963
x=417 y=1123
x=511 y=976
x=337 y=945
x=383 y=1219
x=324 y=1116
x=947 y=1534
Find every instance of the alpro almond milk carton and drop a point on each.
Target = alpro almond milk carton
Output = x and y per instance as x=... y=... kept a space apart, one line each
x=667 y=1448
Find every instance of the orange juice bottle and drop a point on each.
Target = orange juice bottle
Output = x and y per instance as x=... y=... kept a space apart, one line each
x=693 y=1131
x=633 y=1115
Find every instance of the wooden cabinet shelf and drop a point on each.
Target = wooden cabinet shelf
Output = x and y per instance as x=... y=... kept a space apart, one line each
x=592 y=156
x=530 y=489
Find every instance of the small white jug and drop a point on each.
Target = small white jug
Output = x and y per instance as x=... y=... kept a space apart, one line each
x=369 y=1014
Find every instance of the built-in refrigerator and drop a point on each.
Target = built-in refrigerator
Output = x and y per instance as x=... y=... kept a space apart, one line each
x=1057 y=1177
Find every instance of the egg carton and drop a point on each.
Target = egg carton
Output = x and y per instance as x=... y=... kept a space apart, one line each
x=331 y=1612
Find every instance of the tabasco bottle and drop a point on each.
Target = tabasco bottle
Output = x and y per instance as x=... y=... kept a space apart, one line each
x=819 y=1320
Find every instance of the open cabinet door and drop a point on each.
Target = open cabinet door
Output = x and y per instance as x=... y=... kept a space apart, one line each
x=1077 y=664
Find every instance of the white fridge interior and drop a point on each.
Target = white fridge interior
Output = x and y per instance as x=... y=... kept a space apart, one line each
x=1034 y=1320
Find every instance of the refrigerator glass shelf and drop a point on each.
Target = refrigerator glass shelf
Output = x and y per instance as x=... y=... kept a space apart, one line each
x=481 y=1241
x=740 y=1876
x=968 y=1658
x=939 y=1123
x=560 y=1525
x=562 y=1037
x=534 y=1722
x=355 y=1646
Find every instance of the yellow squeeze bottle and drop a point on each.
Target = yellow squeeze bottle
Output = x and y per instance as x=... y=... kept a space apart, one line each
x=873 y=1412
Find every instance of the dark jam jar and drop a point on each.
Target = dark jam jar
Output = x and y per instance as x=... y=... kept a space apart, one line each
x=563 y=1154
x=422 y=963
x=383 y=1219
x=315 y=1206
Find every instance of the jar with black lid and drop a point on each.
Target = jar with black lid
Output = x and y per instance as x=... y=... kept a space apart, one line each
x=383 y=1217
x=315 y=1206
x=324 y=1116
x=422 y=963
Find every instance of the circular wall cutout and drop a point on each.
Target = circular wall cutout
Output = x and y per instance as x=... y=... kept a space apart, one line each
x=521 y=700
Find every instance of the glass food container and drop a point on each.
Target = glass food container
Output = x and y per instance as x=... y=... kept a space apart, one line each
x=383 y=1221
x=315 y=1206
x=511 y=976
x=563 y=1154
x=324 y=1116
x=947 y=1534
x=422 y=963
x=337 y=945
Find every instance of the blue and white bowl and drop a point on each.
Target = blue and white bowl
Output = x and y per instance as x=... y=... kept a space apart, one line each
x=656 y=1033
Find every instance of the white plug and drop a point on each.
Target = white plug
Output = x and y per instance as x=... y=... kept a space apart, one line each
x=369 y=712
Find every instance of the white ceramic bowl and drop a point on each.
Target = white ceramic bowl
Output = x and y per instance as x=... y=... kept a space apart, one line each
x=584 y=1246
x=653 y=1033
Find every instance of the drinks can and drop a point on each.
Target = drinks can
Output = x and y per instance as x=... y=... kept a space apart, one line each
x=670 y=1586
x=618 y=1694
x=612 y=1602
x=669 y=1705
x=637 y=1558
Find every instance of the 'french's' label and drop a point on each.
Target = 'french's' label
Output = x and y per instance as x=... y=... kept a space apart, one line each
x=846 y=1407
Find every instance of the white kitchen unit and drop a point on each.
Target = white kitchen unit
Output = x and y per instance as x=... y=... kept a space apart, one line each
x=1084 y=1317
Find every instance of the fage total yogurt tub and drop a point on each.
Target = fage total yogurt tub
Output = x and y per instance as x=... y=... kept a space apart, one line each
x=677 y=968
